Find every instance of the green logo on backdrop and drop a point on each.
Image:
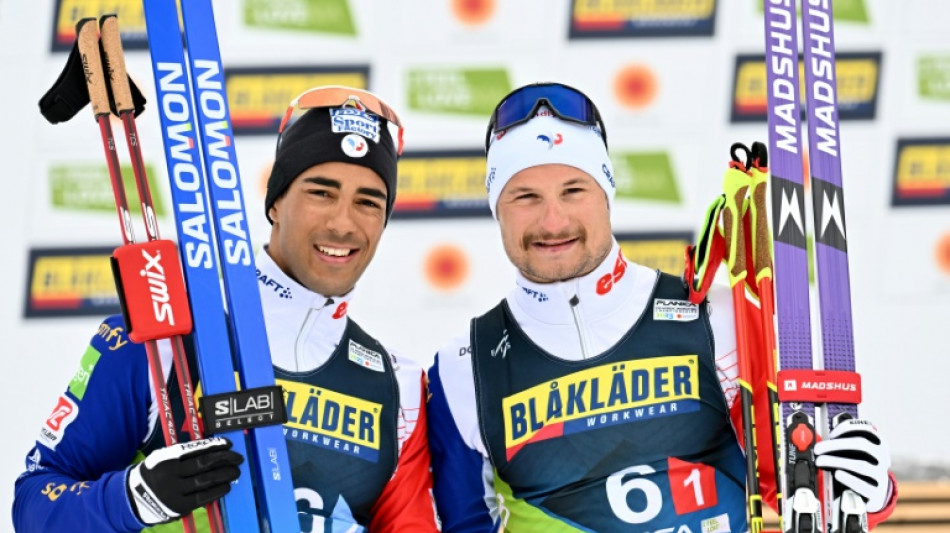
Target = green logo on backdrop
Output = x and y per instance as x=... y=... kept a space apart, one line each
x=87 y=187
x=645 y=176
x=933 y=77
x=472 y=91
x=842 y=11
x=850 y=11
x=318 y=16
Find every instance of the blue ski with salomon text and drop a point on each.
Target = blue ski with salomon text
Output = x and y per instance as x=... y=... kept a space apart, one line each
x=268 y=454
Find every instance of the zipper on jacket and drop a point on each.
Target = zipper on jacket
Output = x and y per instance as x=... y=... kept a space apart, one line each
x=303 y=334
x=581 y=328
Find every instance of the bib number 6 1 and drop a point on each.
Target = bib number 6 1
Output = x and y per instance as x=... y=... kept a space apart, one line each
x=692 y=487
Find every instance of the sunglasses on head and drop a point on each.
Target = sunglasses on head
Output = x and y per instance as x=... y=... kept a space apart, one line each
x=522 y=104
x=340 y=96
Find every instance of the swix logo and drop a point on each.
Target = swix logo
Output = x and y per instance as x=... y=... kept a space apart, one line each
x=267 y=281
x=186 y=180
x=154 y=273
x=606 y=283
x=340 y=311
x=490 y=178
x=552 y=140
x=220 y=154
x=502 y=347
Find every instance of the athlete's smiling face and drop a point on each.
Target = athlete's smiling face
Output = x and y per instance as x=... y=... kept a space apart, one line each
x=327 y=226
x=555 y=222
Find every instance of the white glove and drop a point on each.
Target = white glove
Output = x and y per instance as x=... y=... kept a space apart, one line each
x=859 y=459
x=178 y=479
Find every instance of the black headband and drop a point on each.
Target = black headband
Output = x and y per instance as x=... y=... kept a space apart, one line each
x=324 y=135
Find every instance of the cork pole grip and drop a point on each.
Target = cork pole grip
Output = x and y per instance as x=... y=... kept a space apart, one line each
x=115 y=63
x=762 y=247
x=87 y=34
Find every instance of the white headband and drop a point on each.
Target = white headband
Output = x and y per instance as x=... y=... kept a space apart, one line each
x=543 y=140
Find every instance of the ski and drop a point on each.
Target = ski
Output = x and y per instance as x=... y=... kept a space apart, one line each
x=846 y=511
x=825 y=392
x=194 y=114
x=802 y=512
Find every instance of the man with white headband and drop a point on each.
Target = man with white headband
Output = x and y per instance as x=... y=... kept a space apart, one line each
x=572 y=405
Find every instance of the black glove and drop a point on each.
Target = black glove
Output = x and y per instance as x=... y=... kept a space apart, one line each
x=173 y=481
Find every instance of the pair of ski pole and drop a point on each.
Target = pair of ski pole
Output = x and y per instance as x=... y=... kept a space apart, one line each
x=165 y=313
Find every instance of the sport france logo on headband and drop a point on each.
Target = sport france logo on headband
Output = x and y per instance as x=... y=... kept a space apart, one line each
x=353 y=120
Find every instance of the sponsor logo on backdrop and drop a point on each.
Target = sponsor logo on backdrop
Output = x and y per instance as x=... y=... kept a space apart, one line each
x=314 y=16
x=461 y=91
x=65 y=282
x=473 y=12
x=942 y=254
x=853 y=11
x=130 y=12
x=858 y=78
x=647 y=18
x=258 y=96
x=645 y=176
x=922 y=172
x=665 y=251
x=446 y=267
x=933 y=77
x=635 y=86
x=441 y=183
x=87 y=187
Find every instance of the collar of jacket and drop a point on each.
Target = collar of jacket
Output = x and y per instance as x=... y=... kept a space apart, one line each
x=601 y=292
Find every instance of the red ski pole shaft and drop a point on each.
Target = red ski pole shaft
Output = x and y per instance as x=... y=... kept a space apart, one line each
x=736 y=186
x=762 y=256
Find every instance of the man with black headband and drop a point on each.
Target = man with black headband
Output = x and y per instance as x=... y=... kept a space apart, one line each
x=356 y=430
x=573 y=405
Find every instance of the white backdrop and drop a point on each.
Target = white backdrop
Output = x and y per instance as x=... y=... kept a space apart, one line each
x=900 y=294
